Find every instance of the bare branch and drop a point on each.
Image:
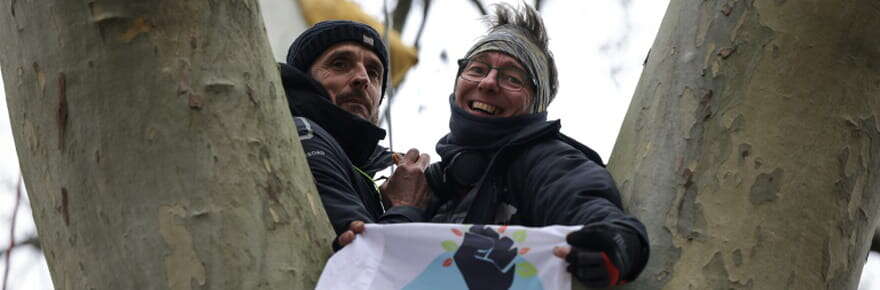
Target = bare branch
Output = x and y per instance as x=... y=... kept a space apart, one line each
x=480 y=7
x=426 y=6
x=538 y=4
x=400 y=13
x=12 y=231
x=31 y=241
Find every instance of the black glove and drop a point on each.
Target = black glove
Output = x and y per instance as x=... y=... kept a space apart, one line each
x=485 y=259
x=601 y=255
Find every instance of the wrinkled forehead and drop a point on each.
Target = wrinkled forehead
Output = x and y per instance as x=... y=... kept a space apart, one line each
x=350 y=48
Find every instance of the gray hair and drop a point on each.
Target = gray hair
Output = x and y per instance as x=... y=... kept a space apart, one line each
x=521 y=34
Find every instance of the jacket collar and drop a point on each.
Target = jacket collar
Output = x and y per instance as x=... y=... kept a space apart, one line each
x=307 y=98
x=380 y=160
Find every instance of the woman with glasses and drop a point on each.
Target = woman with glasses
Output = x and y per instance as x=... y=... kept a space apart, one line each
x=503 y=162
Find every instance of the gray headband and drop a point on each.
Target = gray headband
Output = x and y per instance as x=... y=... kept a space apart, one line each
x=510 y=41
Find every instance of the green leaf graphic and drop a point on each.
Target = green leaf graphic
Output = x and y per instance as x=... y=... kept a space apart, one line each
x=526 y=269
x=449 y=246
x=519 y=236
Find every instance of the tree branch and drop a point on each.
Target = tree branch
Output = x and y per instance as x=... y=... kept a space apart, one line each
x=31 y=241
x=538 y=4
x=427 y=6
x=400 y=13
x=12 y=232
x=480 y=7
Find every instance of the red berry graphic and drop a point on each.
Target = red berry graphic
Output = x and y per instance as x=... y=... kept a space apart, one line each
x=447 y=262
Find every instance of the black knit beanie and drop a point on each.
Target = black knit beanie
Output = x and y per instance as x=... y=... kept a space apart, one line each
x=315 y=40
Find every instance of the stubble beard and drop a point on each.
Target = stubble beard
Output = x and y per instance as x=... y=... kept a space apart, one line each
x=360 y=103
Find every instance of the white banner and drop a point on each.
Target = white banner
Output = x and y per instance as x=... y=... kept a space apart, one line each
x=450 y=256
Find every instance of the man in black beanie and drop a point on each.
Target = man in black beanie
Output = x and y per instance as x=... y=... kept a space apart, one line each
x=335 y=77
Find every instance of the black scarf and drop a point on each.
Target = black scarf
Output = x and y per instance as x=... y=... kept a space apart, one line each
x=473 y=142
x=471 y=132
x=473 y=148
x=469 y=152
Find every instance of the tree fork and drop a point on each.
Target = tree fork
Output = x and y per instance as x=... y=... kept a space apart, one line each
x=157 y=146
x=751 y=148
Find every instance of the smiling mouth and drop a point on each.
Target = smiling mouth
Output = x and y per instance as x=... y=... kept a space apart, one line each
x=484 y=108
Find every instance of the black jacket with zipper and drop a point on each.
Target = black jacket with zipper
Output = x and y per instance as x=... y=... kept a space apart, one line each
x=536 y=176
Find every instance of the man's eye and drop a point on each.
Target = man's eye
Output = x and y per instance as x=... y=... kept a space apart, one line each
x=374 y=74
x=339 y=64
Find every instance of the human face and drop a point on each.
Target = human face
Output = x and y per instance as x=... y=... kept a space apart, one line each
x=352 y=74
x=486 y=97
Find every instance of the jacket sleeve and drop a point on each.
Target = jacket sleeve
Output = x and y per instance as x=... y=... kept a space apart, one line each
x=334 y=178
x=562 y=186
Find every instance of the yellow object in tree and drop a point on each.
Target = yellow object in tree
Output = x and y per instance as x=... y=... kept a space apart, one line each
x=402 y=56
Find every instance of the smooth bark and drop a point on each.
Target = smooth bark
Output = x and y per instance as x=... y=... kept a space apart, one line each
x=875 y=243
x=157 y=146
x=751 y=148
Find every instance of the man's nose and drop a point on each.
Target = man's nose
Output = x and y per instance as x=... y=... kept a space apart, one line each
x=361 y=77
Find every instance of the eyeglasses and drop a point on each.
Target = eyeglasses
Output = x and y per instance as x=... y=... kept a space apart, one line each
x=508 y=78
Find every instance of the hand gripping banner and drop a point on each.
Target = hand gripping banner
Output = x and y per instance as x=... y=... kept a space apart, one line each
x=450 y=256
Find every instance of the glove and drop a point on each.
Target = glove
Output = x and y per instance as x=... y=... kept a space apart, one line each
x=599 y=255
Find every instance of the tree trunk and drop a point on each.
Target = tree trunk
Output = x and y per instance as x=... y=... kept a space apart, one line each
x=875 y=243
x=751 y=148
x=157 y=146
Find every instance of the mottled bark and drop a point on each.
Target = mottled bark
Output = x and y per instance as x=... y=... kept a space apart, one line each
x=751 y=148
x=157 y=146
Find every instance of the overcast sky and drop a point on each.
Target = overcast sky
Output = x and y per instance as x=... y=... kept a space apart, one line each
x=599 y=47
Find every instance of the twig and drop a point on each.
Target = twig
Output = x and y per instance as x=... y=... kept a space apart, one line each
x=538 y=4
x=389 y=22
x=399 y=14
x=480 y=7
x=12 y=232
x=32 y=241
x=427 y=4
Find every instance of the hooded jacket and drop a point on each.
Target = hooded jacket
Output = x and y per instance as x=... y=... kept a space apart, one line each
x=343 y=155
x=526 y=173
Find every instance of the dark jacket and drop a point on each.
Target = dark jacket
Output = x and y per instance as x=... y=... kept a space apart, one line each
x=343 y=154
x=533 y=176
